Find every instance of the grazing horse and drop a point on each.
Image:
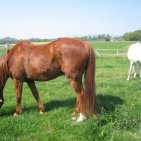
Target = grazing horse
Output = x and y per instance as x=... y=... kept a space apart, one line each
x=134 y=56
x=26 y=62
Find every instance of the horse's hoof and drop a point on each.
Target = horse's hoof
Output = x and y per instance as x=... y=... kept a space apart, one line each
x=41 y=112
x=81 y=118
x=15 y=114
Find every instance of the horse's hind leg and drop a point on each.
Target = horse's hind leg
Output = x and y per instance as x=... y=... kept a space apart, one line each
x=130 y=69
x=77 y=108
x=18 y=88
x=134 y=70
x=80 y=103
x=140 y=69
x=36 y=96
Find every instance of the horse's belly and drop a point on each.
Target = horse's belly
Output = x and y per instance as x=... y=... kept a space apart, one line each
x=44 y=75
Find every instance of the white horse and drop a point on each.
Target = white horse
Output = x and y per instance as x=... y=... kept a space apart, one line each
x=134 y=56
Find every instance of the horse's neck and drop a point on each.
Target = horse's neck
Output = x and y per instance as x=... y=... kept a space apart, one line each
x=3 y=79
x=3 y=71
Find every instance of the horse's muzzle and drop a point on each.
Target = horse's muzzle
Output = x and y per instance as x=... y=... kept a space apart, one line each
x=1 y=102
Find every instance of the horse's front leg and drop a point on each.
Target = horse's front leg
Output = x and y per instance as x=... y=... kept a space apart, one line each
x=36 y=96
x=18 y=88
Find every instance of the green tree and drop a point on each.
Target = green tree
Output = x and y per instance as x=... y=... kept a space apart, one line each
x=132 y=36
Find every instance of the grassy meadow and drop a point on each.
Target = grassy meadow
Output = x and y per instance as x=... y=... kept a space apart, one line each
x=118 y=106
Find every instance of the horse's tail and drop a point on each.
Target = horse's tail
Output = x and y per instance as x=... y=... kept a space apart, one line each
x=90 y=89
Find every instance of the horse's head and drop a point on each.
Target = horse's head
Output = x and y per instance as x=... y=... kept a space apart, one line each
x=1 y=102
x=1 y=91
x=3 y=76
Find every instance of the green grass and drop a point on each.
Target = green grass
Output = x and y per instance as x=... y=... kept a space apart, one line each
x=2 y=51
x=111 y=48
x=118 y=108
x=111 y=45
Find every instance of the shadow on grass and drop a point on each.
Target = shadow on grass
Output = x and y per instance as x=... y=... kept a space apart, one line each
x=106 y=103
x=9 y=111
x=59 y=103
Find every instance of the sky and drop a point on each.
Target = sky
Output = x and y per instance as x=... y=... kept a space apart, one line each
x=23 y=19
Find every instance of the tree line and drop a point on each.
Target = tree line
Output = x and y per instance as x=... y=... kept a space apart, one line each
x=101 y=37
x=129 y=36
x=132 y=36
x=10 y=40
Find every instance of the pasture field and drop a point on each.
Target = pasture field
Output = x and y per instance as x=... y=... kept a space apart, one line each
x=117 y=48
x=118 y=107
x=111 y=45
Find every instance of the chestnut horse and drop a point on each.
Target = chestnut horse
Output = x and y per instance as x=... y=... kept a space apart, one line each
x=26 y=62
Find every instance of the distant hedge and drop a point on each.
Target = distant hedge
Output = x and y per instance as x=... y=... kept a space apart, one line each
x=10 y=40
x=132 y=36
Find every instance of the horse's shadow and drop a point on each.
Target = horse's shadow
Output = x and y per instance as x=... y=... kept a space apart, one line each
x=59 y=103
x=106 y=103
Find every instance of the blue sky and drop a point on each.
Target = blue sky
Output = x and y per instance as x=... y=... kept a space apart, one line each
x=60 y=18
